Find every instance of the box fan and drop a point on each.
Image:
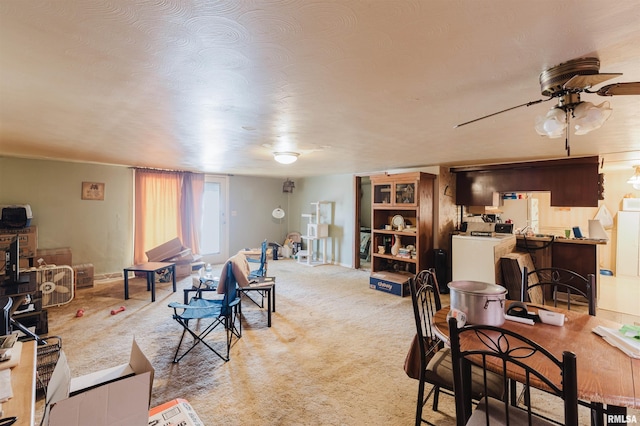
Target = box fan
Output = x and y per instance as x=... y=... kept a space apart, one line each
x=56 y=284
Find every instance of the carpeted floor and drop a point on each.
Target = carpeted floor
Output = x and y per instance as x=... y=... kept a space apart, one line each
x=333 y=356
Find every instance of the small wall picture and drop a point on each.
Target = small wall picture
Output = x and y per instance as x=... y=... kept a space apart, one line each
x=92 y=191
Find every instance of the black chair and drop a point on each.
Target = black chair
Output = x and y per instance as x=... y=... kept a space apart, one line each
x=434 y=358
x=538 y=284
x=541 y=283
x=223 y=313
x=498 y=350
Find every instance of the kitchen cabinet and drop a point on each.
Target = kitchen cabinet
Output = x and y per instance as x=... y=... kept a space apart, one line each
x=577 y=255
x=573 y=182
x=628 y=245
x=402 y=224
x=401 y=192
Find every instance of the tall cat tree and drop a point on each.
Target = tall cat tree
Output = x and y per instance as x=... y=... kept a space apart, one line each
x=317 y=233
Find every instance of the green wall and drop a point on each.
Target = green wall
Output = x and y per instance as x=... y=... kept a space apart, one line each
x=98 y=232
x=101 y=232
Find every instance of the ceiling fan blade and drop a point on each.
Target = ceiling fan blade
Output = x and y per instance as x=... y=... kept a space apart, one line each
x=581 y=82
x=500 y=112
x=620 y=89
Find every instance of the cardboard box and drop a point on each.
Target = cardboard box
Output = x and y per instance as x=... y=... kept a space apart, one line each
x=14 y=231
x=27 y=237
x=390 y=282
x=55 y=256
x=183 y=269
x=115 y=396
x=165 y=251
x=176 y=412
x=83 y=275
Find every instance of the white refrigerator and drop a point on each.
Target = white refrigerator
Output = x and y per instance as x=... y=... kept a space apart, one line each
x=522 y=212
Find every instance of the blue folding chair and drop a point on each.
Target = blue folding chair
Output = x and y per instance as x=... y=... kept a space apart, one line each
x=262 y=269
x=224 y=313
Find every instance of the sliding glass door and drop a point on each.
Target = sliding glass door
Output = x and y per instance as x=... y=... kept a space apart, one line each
x=214 y=237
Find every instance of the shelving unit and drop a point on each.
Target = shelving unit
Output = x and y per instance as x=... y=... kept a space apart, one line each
x=317 y=233
x=402 y=213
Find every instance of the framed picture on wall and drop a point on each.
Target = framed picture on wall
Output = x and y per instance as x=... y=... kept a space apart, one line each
x=92 y=191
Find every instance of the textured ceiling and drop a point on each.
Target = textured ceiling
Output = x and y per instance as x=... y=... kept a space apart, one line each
x=354 y=86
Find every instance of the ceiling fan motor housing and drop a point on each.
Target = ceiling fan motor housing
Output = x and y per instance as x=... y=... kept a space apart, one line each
x=552 y=81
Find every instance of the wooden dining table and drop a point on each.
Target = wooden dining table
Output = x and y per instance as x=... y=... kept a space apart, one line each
x=606 y=375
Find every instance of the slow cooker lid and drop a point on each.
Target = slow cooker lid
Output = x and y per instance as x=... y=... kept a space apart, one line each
x=477 y=287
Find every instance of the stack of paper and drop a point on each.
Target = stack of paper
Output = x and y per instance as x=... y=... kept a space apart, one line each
x=628 y=345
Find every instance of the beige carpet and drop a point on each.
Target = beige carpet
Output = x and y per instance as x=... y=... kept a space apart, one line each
x=333 y=355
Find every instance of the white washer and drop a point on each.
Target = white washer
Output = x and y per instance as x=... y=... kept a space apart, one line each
x=473 y=258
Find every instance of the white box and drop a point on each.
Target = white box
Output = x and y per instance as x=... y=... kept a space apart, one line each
x=175 y=412
x=118 y=395
x=631 y=204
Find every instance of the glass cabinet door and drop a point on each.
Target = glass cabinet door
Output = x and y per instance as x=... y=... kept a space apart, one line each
x=382 y=193
x=405 y=193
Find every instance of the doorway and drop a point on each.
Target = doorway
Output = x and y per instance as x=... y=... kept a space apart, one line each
x=362 y=238
x=214 y=237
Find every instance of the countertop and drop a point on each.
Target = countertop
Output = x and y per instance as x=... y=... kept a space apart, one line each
x=563 y=240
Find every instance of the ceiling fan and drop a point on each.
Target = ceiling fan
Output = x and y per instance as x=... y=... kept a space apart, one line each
x=566 y=82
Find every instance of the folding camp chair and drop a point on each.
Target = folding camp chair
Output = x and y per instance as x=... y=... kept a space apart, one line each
x=262 y=269
x=224 y=313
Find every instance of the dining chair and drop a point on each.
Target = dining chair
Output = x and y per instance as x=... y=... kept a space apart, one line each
x=544 y=285
x=538 y=284
x=223 y=313
x=434 y=359
x=500 y=351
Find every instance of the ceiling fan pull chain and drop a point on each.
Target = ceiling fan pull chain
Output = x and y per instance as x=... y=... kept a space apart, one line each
x=566 y=137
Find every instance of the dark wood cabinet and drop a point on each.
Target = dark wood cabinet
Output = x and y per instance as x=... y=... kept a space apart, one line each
x=573 y=182
x=580 y=256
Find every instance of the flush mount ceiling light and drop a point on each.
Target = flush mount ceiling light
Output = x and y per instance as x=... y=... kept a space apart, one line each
x=635 y=179
x=285 y=157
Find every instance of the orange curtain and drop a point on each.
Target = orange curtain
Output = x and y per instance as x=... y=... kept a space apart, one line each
x=168 y=205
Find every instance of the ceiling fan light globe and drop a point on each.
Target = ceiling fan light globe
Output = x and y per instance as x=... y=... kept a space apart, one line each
x=553 y=124
x=590 y=117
